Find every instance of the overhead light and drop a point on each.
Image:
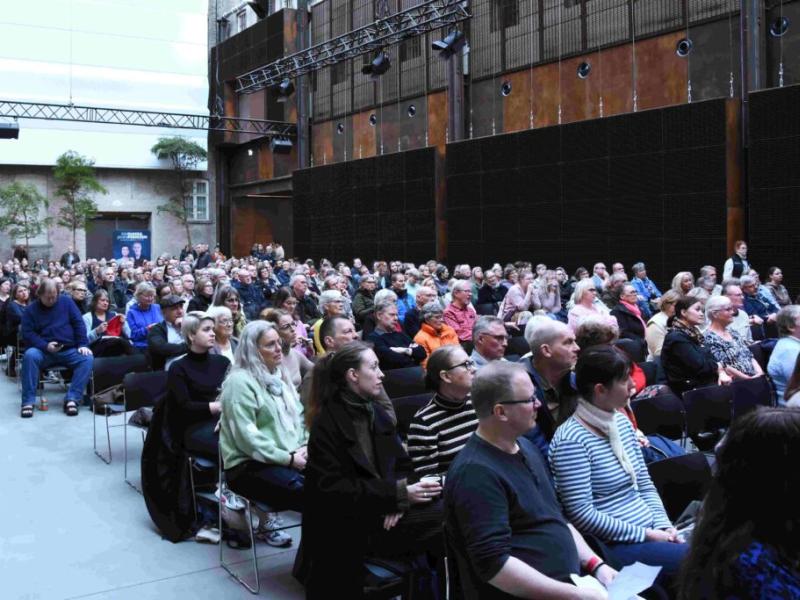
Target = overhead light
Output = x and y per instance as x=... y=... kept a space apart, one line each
x=450 y=45
x=412 y=110
x=379 y=65
x=779 y=26
x=284 y=90
x=9 y=131
x=373 y=119
x=340 y=128
x=280 y=145
x=584 y=69
x=505 y=89
x=684 y=47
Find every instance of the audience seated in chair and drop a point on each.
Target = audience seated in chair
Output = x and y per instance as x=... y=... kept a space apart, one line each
x=587 y=304
x=599 y=472
x=294 y=362
x=739 y=546
x=725 y=344
x=97 y=321
x=394 y=348
x=490 y=340
x=356 y=486
x=224 y=342
x=657 y=325
x=413 y=321
x=262 y=433
x=460 y=314
x=54 y=334
x=502 y=517
x=143 y=314
x=784 y=355
x=630 y=319
x=439 y=430
x=434 y=333
x=165 y=343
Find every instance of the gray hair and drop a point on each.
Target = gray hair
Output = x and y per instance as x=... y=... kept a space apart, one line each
x=143 y=289
x=462 y=285
x=296 y=277
x=581 y=288
x=413 y=273
x=248 y=357
x=383 y=296
x=483 y=323
x=699 y=294
x=219 y=311
x=384 y=304
x=191 y=324
x=542 y=330
x=728 y=284
x=492 y=385
x=424 y=289
x=706 y=270
x=715 y=304
x=786 y=319
x=430 y=309
x=330 y=296
x=747 y=280
x=638 y=268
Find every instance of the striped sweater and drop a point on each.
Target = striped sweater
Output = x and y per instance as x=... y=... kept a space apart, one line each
x=598 y=497
x=438 y=431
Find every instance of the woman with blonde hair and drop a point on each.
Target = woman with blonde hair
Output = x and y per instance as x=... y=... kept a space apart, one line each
x=683 y=282
x=657 y=325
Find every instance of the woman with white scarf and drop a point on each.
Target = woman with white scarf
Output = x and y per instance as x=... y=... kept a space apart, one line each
x=599 y=473
x=262 y=433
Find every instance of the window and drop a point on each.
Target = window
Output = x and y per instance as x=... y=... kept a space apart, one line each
x=241 y=20
x=505 y=13
x=198 y=204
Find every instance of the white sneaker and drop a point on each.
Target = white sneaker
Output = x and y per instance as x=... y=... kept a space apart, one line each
x=270 y=532
x=207 y=535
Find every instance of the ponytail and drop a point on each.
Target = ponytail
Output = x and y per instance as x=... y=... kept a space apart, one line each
x=329 y=377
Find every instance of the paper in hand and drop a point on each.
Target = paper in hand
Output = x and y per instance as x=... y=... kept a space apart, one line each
x=629 y=582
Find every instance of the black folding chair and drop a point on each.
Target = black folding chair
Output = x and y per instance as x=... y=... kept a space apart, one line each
x=404 y=382
x=662 y=414
x=761 y=351
x=107 y=376
x=708 y=414
x=517 y=345
x=405 y=408
x=680 y=480
x=487 y=309
x=142 y=389
x=748 y=394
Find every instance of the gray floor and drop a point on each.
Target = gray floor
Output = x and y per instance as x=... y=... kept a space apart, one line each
x=70 y=527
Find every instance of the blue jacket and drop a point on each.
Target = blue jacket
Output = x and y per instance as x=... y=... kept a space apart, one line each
x=139 y=320
x=646 y=288
x=404 y=304
x=60 y=323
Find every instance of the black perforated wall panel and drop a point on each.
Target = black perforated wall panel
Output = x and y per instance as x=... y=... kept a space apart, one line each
x=374 y=208
x=647 y=186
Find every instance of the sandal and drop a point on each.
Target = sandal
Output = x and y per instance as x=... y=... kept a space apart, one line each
x=27 y=411
x=71 y=408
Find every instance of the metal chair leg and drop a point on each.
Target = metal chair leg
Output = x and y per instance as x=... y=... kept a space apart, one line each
x=94 y=434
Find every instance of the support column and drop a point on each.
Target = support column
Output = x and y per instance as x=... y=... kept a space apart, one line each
x=302 y=89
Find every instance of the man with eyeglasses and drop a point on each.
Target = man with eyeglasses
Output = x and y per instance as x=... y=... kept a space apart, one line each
x=460 y=314
x=491 y=340
x=77 y=291
x=502 y=518
x=741 y=320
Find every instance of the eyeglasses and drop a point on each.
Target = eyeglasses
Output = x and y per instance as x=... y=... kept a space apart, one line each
x=84 y=290
x=530 y=400
x=468 y=364
x=500 y=337
x=225 y=322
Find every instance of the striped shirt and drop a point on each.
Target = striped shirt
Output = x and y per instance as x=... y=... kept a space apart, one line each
x=598 y=496
x=438 y=431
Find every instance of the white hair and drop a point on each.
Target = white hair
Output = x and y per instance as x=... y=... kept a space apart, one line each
x=542 y=330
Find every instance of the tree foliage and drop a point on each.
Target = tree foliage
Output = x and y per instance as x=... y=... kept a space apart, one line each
x=77 y=183
x=184 y=155
x=20 y=204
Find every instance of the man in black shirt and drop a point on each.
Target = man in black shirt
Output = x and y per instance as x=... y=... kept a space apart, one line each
x=502 y=517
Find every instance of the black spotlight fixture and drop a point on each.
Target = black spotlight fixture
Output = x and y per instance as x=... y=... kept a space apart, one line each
x=779 y=26
x=284 y=90
x=505 y=89
x=340 y=128
x=9 y=131
x=280 y=145
x=452 y=44
x=684 y=47
x=373 y=120
x=379 y=65
x=584 y=69
x=412 y=110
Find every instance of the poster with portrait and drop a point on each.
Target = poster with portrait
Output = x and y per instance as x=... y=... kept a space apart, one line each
x=132 y=245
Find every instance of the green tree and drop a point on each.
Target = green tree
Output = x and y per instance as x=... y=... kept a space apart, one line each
x=184 y=155
x=76 y=183
x=20 y=204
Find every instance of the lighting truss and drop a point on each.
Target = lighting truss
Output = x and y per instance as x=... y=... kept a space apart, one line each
x=417 y=20
x=143 y=118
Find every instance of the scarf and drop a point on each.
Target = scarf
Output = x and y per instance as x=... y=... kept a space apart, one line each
x=606 y=423
x=284 y=395
x=359 y=404
x=636 y=312
x=691 y=332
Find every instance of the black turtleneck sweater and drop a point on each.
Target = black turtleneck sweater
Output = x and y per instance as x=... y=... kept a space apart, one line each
x=193 y=382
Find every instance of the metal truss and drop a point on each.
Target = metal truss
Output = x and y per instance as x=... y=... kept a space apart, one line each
x=425 y=17
x=144 y=118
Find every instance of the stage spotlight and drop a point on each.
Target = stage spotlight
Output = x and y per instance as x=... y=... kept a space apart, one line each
x=684 y=47
x=9 y=131
x=451 y=44
x=284 y=90
x=412 y=110
x=340 y=128
x=505 y=89
x=373 y=120
x=584 y=69
x=280 y=145
x=778 y=27
x=379 y=65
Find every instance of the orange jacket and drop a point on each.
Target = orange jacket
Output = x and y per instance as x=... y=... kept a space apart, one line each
x=430 y=339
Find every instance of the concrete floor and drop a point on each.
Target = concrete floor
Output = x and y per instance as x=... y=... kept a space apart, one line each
x=70 y=527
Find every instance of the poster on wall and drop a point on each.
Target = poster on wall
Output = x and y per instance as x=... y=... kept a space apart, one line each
x=132 y=244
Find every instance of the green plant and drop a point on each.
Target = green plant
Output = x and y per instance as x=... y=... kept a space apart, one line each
x=184 y=155
x=20 y=204
x=76 y=180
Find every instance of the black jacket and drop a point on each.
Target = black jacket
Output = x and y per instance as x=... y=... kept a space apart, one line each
x=307 y=310
x=199 y=303
x=631 y=328
x=687 y=364
x=159 y=349
x=489 y=295
x=340 y=481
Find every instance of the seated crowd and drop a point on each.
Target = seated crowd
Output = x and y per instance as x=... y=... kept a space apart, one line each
x=526 y=440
